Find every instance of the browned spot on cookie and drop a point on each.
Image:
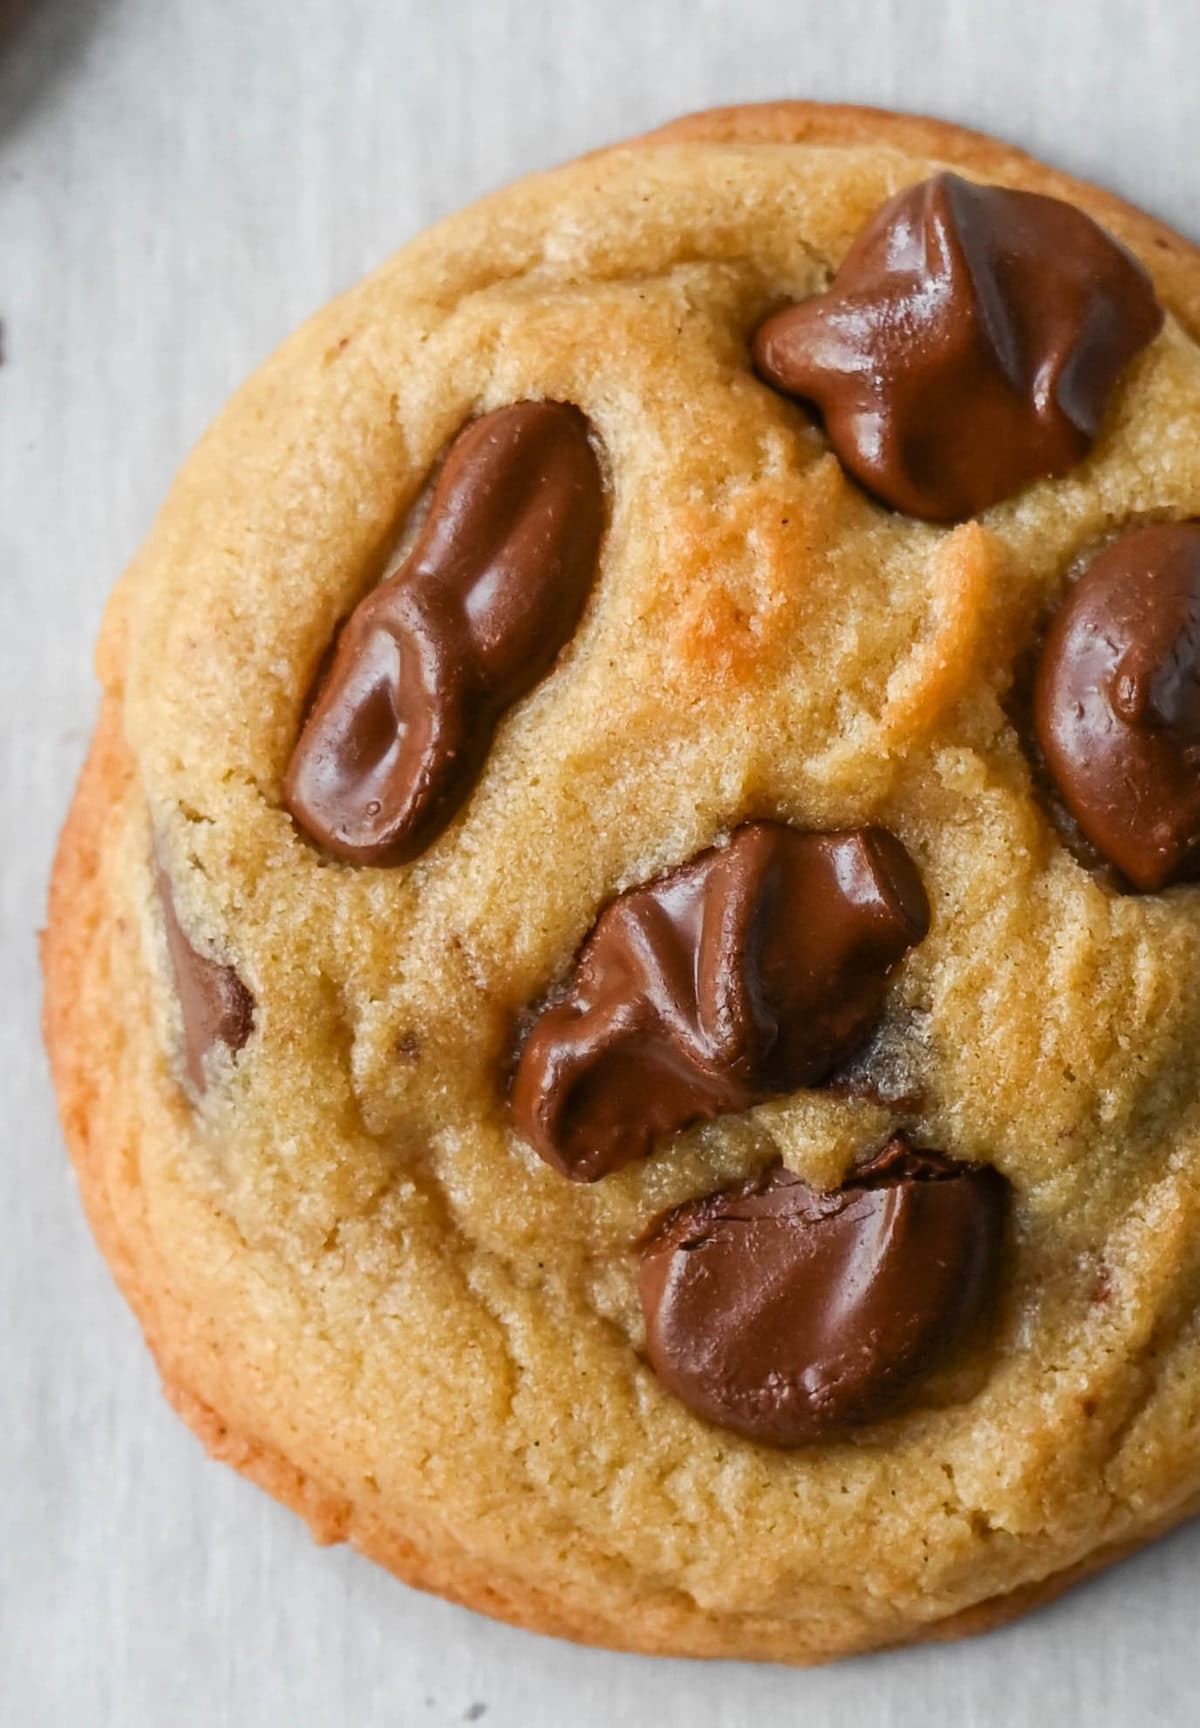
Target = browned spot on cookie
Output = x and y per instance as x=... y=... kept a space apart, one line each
x=408 y=1047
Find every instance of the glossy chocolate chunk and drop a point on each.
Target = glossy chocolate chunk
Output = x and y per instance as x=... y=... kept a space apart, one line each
x=215 y=1006
x=968 y=346
x=428 y=661
x=1117 y=704
x=752 y=970
x=789 y=1315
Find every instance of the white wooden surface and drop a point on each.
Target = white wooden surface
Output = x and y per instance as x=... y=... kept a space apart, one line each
x=180 y=182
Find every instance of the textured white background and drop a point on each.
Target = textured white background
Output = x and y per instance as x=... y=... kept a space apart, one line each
x=180 y=182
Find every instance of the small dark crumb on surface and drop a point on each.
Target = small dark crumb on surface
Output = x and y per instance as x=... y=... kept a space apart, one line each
x=890 y=1067
x=473 y=1712
x=408 y=1047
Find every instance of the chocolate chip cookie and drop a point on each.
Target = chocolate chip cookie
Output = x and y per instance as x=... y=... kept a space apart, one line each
x=621 y=975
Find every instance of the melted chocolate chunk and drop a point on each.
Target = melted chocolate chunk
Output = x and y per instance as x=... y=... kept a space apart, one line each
x=215 y=1005
x=1117 y=704
x=968 y=346
x=427 y=662
x=753 y=970
x=789 y=1315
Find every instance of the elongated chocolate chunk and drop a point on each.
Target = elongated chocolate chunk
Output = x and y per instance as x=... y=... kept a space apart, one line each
x=428 y=661
x=969 y=344
x=215 y=1005
x=790 y=1315
x=752 y=970
x=1117 y=704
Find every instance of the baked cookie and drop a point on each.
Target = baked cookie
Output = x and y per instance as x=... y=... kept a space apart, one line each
x=621 y=975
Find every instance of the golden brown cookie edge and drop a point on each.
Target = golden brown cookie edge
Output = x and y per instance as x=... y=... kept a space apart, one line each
x=1171 y=259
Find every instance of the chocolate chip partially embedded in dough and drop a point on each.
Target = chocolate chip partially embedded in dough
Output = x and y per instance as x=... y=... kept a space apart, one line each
x=791 y=1315
x=1117 y=704
x=428 y=662
x=752 y=970
x=215 y=1006
x=969 y=344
